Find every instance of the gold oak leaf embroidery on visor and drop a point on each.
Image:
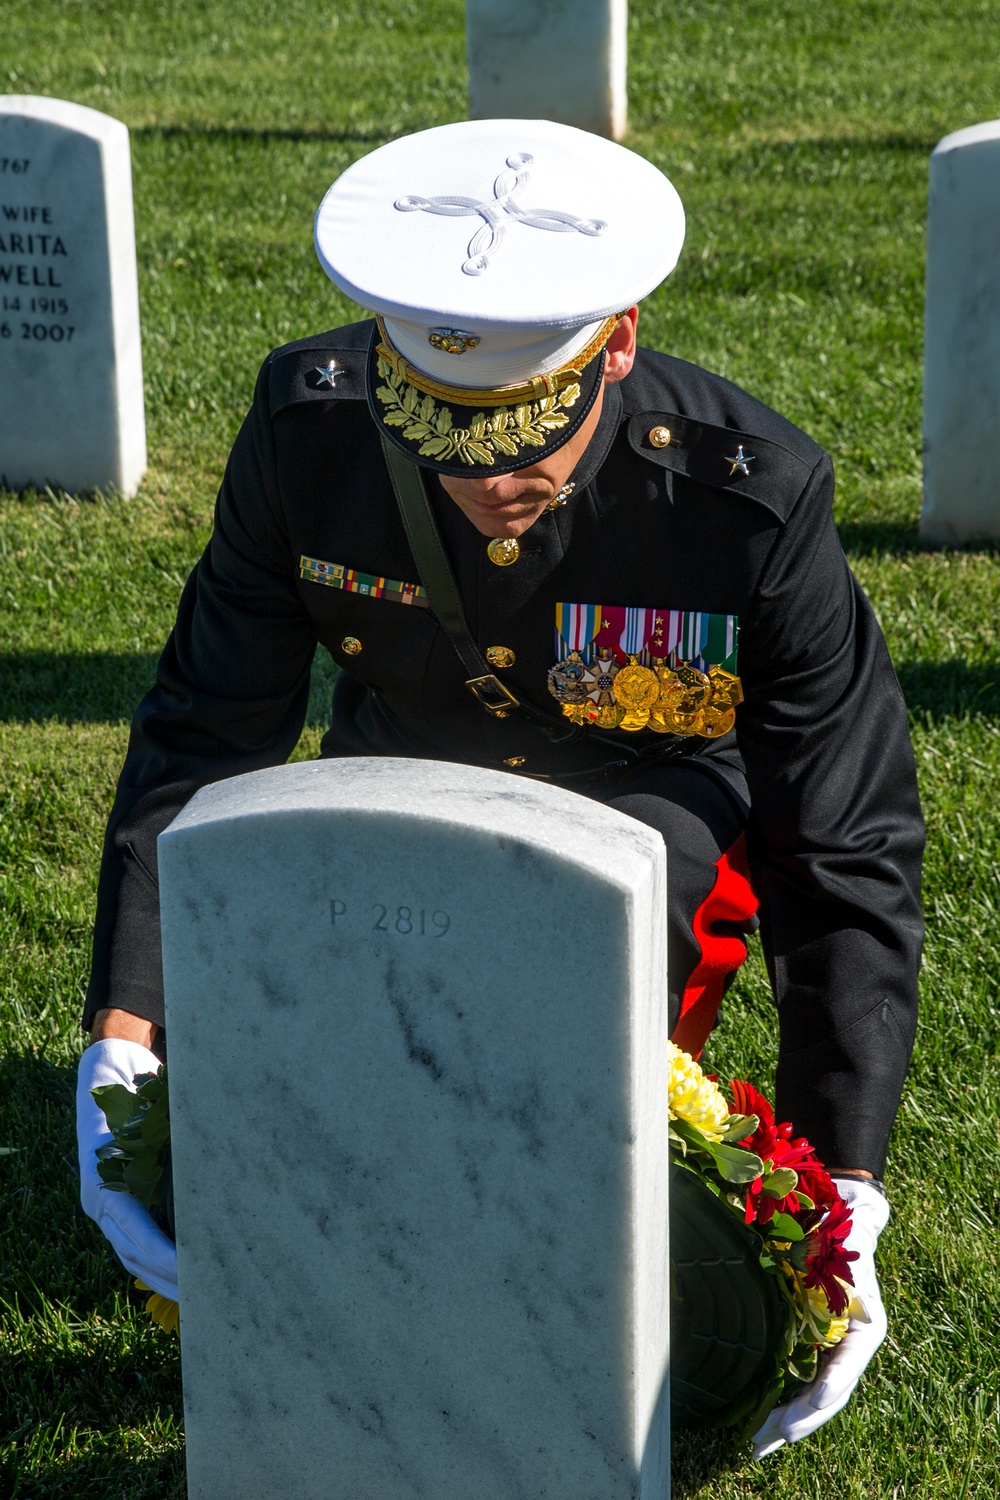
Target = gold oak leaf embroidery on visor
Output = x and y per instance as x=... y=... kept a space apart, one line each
x=486 y=439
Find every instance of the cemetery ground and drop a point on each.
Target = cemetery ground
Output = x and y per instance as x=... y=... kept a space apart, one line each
x=798 y=136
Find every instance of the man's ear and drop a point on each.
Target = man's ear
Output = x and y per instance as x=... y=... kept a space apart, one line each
x=620 y=348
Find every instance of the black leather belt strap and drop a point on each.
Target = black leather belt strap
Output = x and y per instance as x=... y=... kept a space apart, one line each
x=445 y=600
x=437 y=578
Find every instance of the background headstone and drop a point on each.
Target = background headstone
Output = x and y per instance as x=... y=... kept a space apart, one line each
x=962 y=339
x=562 y=60
x=71 y=407
x=417 y=1026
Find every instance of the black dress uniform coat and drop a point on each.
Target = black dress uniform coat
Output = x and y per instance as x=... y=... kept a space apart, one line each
x=835 y=834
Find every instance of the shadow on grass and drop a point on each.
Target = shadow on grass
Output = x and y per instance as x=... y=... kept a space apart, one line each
x=99 y=687
x=105 y=687
x=93 y=1476
x=248 y=133
x=698 y=1457
x=950 y=690
x=874 y=538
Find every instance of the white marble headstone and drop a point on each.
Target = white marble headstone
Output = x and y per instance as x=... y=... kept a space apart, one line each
x=562 y=60
x=416 y=1025
x=71 y=408
x=962 y=339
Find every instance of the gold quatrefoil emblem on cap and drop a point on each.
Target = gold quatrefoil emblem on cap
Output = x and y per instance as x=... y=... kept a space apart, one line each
x=503 y=550
x=350 y=645
x=500 y=656
x=659 y=437
x=452 y=340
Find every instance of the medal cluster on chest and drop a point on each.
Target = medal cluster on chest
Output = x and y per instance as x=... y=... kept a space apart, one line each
x=671 y=671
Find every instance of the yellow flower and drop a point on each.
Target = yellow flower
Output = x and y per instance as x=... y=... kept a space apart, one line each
x=820 y=1307
x=162 y=1310
x=694 y=1098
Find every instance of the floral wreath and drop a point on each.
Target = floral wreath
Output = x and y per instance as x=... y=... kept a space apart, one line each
x=773 y=1182
x=778 y=1187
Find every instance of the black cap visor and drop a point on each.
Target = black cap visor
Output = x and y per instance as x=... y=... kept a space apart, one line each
x=477 y=437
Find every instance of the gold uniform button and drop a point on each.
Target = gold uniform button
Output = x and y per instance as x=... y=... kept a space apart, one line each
x=659 y=437
x=503 y=550
x=515 y=760
x=500 y=656
x=351 y=645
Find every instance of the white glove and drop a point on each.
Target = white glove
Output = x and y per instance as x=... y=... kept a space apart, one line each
x=843 y=1367
x=139 y=1243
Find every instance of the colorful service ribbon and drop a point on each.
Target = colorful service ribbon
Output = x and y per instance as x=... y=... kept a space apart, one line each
x=336 y=576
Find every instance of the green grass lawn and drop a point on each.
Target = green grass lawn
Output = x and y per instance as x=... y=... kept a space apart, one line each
x=798 y=135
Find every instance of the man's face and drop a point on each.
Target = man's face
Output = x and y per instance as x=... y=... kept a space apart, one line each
x=511 y=503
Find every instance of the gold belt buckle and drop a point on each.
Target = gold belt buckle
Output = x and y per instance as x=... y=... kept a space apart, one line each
x=492 y=694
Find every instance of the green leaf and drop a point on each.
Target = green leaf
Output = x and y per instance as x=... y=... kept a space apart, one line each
x=780 y=1183
x=117 y=1102
x=740 y=1126
x=111 y=1171
x=142 y=1177
x=156 y=1125
x=784 y=1227
x=736 y=1164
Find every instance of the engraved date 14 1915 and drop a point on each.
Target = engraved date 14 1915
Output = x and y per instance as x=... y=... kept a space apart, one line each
x=407 y=921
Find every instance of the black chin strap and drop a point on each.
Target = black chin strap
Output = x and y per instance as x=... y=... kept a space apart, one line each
x=442 y=592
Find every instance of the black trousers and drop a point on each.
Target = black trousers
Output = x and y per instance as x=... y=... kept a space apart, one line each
x=710 y=906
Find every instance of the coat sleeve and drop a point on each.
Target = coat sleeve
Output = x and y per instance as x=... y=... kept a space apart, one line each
x=231 y=692
x=835 y=838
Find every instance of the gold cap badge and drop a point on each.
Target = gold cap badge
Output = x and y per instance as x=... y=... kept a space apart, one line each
x=452 y=340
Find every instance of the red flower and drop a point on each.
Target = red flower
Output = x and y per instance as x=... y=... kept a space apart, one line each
x=776 y=1145
x=817 y=1184
x=748 y=1101
x=827 y=1262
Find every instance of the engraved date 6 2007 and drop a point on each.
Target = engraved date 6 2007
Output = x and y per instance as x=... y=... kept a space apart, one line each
x=407 y=921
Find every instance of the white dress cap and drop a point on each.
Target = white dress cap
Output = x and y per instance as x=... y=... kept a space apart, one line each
x=493 y=249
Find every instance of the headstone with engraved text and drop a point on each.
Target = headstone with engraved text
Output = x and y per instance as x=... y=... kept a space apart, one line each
x=71 y=404
x=562 y=60
x=417 y=1029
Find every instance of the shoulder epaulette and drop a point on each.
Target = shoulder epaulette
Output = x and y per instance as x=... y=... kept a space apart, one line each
x=330 y=366
x=757 y=468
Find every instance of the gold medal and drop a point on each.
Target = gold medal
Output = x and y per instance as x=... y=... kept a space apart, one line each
x=609 y=716
x=636 y=688
x=503 y=550
x=714 y=722
x=574 y=712
x=697 y=689
x=727 y=690
x=669 y=721
x=635 y=719
x=566 y=680
x=672 y=690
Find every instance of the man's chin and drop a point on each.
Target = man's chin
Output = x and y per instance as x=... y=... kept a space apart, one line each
x=507 y=519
